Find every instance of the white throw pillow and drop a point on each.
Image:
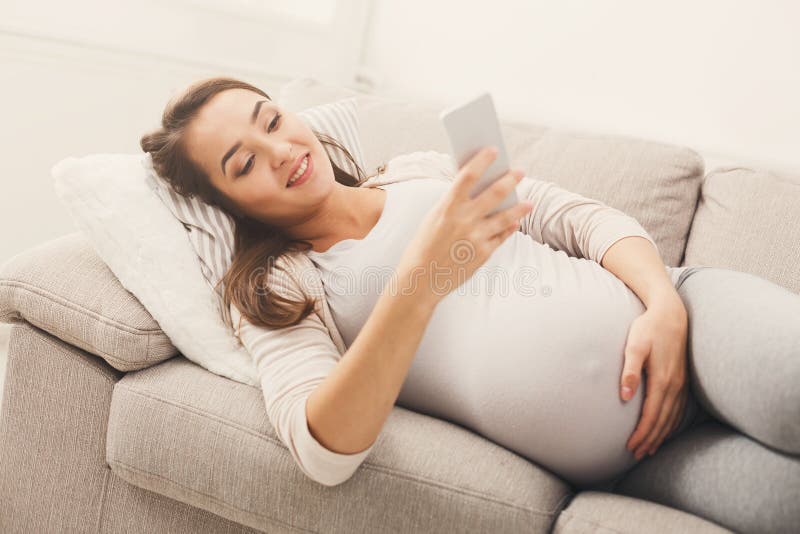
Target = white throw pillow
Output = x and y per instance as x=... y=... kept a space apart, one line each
x=119 y=206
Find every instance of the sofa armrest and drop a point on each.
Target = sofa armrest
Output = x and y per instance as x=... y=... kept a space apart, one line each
x=63 y=287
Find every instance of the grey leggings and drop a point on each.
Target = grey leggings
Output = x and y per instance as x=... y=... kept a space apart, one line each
x=735 y=458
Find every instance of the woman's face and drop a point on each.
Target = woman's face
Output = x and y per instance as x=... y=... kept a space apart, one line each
x=242 y=141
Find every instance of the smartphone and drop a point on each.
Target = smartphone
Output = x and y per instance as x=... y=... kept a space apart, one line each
x=472 y=126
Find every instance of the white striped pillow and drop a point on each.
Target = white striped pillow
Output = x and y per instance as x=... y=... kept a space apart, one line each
x=211 y=230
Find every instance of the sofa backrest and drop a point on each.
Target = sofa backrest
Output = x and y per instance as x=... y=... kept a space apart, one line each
x=748 y=220
x=656 y=183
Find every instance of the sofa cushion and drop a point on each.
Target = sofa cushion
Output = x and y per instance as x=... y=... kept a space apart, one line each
x=63 y=287
x=749 y=220
x=656 y=183
x=196 y=437
x=594 y=511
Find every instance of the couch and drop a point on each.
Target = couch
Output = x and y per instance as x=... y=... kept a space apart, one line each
x=106 y=427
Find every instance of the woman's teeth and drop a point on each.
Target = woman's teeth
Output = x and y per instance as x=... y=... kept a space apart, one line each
x=300 y=171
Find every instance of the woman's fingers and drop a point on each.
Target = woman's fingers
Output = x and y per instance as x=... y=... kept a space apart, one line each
x=454 y=234
x=653 y=405
x=493 y=195
x=680 y=407
x=679 y=413
x=498 y=239
x=500 y=221
x=667 y=404
x=672 y=423
x=471 y=171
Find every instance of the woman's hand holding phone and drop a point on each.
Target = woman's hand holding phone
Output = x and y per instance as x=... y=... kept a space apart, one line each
x=458 y=235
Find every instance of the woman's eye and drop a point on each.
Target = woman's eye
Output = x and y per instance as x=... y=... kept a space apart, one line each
x=274 y=122
x=270 y=127
x=247 y=166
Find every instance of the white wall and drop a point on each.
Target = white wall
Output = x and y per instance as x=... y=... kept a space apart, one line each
x=719 y=76
x=64 y=101
x=90 y=76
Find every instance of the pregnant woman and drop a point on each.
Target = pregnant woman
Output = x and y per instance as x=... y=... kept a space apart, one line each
x=429 y=301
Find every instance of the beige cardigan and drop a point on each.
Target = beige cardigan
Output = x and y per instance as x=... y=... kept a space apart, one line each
x=292 y=361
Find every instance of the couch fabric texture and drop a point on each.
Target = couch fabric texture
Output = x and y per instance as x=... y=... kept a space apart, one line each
x=84 y=304
x=749 y=220
x=105 y=427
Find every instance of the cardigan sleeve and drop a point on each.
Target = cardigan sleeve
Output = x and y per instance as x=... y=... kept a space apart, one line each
x=580 y=226
x=291 y=363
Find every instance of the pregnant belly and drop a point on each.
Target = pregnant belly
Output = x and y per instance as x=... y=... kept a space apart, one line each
x=539 y=376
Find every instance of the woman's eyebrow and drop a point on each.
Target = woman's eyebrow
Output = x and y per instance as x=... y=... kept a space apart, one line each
x=234 y=148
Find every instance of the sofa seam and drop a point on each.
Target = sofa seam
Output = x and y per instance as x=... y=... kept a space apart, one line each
x=366 y=464
x=103 y=498
x=150 y=358
x=19 y=284
x=692 y=221
x=135 y=469
x=561 y=506
x=81 y=362
x=462 y=491
x=573 y=518
x=216 y=500
x=197 y=411
x=124 y=365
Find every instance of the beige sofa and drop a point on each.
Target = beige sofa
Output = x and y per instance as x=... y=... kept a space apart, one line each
x=106 y=428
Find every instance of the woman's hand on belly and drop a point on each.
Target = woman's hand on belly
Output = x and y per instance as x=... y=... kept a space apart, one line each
x=657 y=341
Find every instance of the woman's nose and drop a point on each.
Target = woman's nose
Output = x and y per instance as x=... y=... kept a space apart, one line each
x=277 y=153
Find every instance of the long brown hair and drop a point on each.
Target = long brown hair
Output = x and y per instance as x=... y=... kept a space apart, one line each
x=256 y=244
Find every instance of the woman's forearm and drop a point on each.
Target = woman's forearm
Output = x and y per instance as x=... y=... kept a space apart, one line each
x=635 y=261
x=346 y=412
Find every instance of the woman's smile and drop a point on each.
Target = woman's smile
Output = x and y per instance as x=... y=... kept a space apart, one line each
x=309 y=168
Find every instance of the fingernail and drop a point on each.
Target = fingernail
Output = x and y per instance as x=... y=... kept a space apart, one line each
x=626 y=393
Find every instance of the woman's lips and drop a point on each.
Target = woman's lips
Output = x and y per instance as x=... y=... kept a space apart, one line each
x=297 y=163
x=304 y=178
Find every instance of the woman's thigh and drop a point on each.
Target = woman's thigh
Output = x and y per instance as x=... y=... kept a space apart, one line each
x=743 y=350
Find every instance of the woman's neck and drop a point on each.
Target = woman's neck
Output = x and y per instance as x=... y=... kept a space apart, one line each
x=358 y=210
